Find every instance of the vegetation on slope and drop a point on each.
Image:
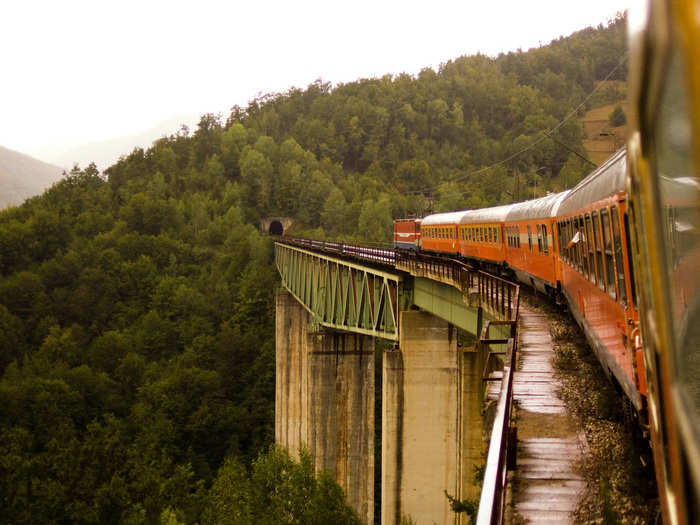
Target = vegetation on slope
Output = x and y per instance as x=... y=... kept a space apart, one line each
x=136 y=307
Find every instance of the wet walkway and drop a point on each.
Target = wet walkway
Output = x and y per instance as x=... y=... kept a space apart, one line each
x=544 y=486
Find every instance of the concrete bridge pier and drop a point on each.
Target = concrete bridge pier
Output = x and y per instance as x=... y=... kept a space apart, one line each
x=431 y=422
x=325 y=400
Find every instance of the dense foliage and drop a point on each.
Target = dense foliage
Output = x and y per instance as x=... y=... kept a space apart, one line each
x=136 y=306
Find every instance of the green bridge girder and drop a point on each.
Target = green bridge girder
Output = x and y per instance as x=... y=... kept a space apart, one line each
x=340 y=294
x=366 y=297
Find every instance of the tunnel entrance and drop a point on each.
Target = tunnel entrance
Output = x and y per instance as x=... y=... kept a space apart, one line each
x=276 y=228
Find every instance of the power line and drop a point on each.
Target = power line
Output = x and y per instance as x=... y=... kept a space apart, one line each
x=547 y=134
x=571 y=150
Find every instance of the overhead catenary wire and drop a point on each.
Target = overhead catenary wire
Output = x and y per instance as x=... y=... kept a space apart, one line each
x=544 y=134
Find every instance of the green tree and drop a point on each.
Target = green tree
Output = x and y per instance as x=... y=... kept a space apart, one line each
x=617 y=117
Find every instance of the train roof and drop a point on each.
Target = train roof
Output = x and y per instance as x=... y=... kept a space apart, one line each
x=494 y=214
x=541 y=208
x=452 y=217
x=606 y=180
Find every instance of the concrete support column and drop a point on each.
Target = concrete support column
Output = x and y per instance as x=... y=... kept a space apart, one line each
x=342 y=414
x=324 y=401
x=473 y=446
x=291 y=374
x=421 y=422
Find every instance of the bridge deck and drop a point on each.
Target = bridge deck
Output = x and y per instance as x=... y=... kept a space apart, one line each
x=546 y=488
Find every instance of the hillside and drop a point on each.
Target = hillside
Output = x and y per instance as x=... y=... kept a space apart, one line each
x=22 y=176
x=137 y=304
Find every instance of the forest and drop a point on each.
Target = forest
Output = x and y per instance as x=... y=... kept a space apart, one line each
x=137 y=302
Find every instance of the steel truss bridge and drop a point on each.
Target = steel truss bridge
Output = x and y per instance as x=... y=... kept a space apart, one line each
x=362 y=289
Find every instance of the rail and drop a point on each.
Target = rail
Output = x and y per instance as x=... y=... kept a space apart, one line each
x=500 y=455
x=356 y=251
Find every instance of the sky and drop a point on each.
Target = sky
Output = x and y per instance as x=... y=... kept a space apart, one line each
x=75 y=71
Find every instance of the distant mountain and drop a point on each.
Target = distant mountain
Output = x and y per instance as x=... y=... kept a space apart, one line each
x=22 y=176
x=107 y=152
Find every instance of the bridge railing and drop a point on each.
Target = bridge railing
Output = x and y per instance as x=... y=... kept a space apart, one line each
x=377 y=254
x=496 y=295
x=500 y=454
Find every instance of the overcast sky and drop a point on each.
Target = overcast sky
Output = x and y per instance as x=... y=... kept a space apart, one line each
x=74 y=71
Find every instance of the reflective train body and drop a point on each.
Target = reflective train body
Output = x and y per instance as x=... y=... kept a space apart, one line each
x=574 y=244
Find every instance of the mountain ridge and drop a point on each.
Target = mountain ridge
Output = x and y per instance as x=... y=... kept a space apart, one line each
x=23 y=176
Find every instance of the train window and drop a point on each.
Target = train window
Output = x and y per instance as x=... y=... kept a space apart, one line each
x=607 y=244
x=582 y=249
x=598 y=249
x=539 y=238
x=561 y=251
x=529 y=237
x=574 y=246
x=617 y=243
x=630 y=264
x=591 y=249
x=544 y=239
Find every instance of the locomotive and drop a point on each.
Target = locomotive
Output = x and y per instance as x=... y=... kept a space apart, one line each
x=622 y=248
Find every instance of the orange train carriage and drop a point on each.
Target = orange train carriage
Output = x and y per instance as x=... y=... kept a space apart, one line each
x=531 y=243
x=439 y=232
x=597 y=274
x=481 y=235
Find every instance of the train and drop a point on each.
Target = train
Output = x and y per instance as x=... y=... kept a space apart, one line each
x=573 y=245
x=621 y=249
